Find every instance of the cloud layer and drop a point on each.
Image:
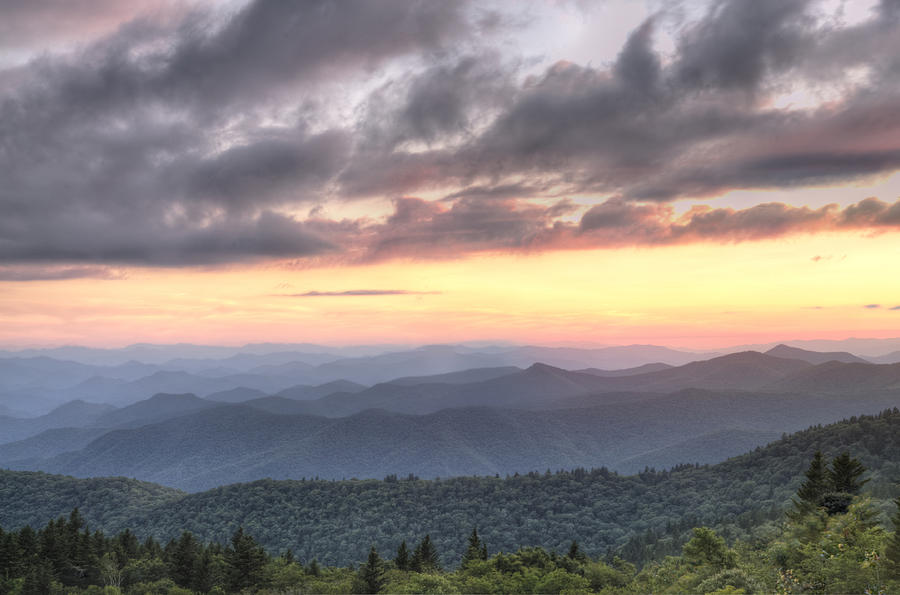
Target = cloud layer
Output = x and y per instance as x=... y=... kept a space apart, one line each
x=195 y=134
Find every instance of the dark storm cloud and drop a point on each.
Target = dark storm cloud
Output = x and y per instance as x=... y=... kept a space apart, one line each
x=738 y=43
x=247 y=174
x=185 y=138
x=181 y=241
x=445 y=100
x=695 y=127
x=169 y=144
x=271 y=43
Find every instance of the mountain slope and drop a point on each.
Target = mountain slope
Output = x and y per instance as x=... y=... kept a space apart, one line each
x=462 y=377
x=239 y=443
x=157 y=408
x=75 y=413
x=236 y=395
x=337 y=521
x=49 y=443
x=841 y=378
x=305 y=392
x=644 y=369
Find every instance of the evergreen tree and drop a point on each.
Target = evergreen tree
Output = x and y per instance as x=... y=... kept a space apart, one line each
x=371 y=574
x=39 y=580
x=8 y=558
x=127 y=543
x=843 y=479
x=314 y=569
x=151 y=548
x=813 y=489
x=244 y=561
x=182 y=558
x=202 y=580
x=402 y=559
x=574 y=553
x=844 y=474
x=473 y=550
x=707 y=548
x=425 y=557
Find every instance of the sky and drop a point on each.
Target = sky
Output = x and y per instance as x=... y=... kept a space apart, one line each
x=694 y=174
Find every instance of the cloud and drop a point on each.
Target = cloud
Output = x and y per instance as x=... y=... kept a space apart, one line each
x=696 y=126
x=360 y=292
x=420 y=229
x=620 y=221
x=178 y=242
x=872 y=306
x=195 y=136
x=894 y=308
x=53 y=273
x=179 y=141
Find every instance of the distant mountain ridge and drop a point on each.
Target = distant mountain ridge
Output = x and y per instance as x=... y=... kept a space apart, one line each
x=815 y=357
x=482 y=420
x=271 y=438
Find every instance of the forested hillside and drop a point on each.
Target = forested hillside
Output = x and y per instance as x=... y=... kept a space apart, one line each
x=642 y=516
x=831 y=540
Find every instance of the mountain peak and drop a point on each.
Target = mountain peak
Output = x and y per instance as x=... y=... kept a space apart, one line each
x=814 y=357
x=543 y=368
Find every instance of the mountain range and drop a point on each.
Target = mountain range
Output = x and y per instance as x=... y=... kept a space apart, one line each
x=488 y=420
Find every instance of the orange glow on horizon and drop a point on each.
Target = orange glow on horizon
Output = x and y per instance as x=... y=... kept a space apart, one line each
x=699 y=296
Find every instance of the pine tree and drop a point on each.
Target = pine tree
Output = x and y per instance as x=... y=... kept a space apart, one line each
x=425 y=557
x=402 y=559
x=7 y=555
x=843 y=479
x=182 y=556
x=574 y=551
x=372 y=574
x=473 y=550
x=39 y=579
x=202 y=580
x=244 y=560
x=844 y=474
x=314 y=569
x=813 y=489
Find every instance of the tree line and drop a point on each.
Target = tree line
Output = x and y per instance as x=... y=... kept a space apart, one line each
x=830 y=541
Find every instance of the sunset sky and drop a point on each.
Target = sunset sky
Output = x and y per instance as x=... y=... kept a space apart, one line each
x=694 y=174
